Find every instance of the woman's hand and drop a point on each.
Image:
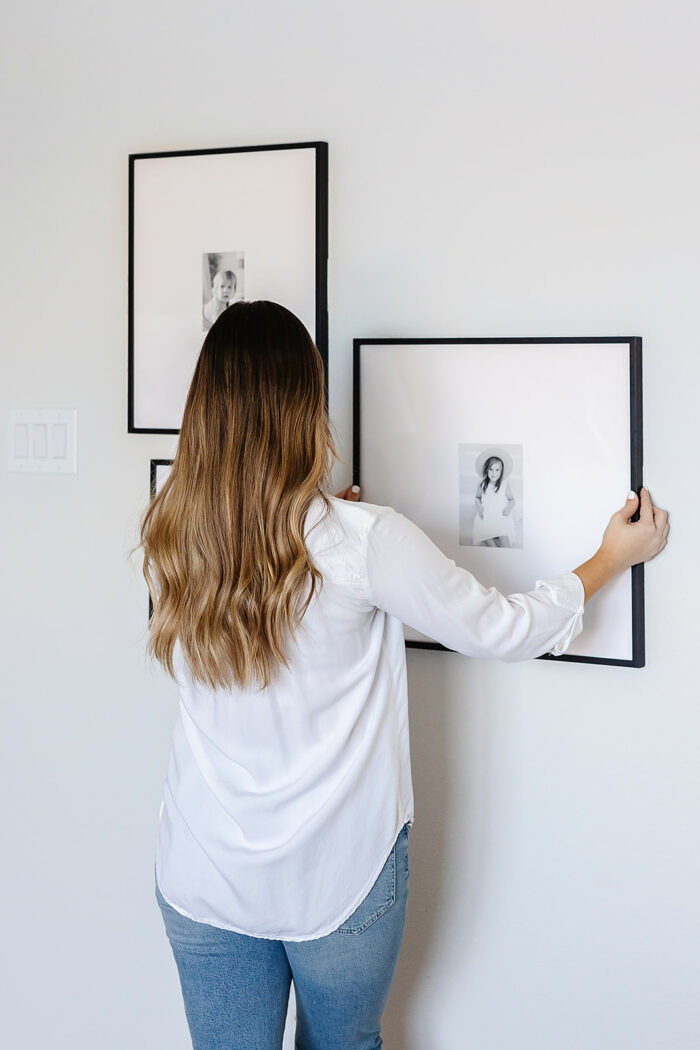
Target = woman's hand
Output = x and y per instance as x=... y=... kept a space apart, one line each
x=352 y=492
x=627 y=543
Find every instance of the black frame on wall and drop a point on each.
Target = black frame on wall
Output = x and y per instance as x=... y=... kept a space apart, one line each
x=321 y=253
x=155 y=463
x=636 y=462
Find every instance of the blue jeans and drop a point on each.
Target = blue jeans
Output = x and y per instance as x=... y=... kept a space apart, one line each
x=236 y=988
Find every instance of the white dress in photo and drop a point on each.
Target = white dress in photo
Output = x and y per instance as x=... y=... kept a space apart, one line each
x=494 y=522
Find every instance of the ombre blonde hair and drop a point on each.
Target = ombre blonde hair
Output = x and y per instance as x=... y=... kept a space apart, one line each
x=224 y=555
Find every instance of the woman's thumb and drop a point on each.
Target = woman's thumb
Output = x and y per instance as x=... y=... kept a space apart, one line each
x=631 y=504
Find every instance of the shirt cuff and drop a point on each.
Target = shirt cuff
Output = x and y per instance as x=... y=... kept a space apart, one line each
x=566 y=591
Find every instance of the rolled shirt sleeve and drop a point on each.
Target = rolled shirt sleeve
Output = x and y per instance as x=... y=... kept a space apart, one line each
x=409 y=577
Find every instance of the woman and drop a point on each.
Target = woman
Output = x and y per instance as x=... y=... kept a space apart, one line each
x=283 y=841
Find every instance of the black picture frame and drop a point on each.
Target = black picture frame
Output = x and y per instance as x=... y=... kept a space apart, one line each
x=153 y=487
x=316 y=243
x=632 y=378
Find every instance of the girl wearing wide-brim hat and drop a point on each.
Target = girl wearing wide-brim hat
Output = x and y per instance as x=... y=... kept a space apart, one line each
x=493 y=523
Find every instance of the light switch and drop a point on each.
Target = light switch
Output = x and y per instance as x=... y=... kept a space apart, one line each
x=58 y=440
x=39 y=440
x=43 y=441
x=21 y=441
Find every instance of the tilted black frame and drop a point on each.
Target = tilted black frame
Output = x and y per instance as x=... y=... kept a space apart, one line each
x=155 y=463
x=321 y=334
x=636 y=465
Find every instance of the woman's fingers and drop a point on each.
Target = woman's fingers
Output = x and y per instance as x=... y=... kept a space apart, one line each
x=653 y=516
x=660 y=518
x=664 y=535
x=646 y=510
x=352 y=492
x=632 y=542
x=659 y=522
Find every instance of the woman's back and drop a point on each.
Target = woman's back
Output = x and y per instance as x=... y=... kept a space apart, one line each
x=281 y=805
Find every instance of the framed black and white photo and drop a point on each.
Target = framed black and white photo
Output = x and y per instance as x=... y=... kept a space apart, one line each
x=208 y=228
x=511 y=454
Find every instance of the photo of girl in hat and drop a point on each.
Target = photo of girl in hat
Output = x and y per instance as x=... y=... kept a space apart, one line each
x=488 y=473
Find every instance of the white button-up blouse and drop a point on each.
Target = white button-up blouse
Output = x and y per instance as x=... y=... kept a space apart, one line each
x=281 y=806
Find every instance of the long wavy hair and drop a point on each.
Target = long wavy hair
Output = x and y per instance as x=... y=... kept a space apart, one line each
x=223 y=544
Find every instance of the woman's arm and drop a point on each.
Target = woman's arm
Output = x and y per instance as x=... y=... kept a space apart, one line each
x=409 y=577
x=511 y=501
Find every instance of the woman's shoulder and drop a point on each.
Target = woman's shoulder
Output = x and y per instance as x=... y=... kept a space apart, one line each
x=337 y=537
x=349 y=521
x=358 y=514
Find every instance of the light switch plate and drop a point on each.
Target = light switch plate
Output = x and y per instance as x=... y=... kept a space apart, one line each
x=42 y=441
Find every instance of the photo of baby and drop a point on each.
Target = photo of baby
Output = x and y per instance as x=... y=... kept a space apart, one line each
x=491 y=495
x=222 y=284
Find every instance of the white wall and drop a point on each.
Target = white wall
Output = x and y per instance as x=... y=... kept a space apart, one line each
x=495 y=169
